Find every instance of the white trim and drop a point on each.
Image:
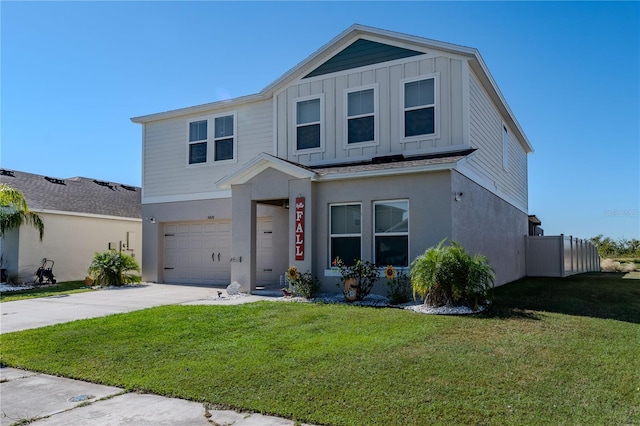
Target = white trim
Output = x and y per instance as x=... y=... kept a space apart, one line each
x=87 y=215
x=186 y=197
x=330 y=235
x=391 y=234
x=385 y=172
x=294 y=123
x=259 y=164
x=436 y=107
x=466 y=104
x=234 y=137
x=274 y=123
x=205 y=141
x=376 y=117
x=142 y=168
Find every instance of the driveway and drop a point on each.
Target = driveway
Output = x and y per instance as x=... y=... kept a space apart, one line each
x=34 y=313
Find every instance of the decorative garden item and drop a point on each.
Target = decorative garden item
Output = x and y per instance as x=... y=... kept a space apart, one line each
x=357 y=279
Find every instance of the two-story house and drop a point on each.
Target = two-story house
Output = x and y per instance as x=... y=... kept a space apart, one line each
x=375 y=147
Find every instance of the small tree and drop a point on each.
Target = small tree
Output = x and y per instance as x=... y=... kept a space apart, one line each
x=448 y=275
x=14 y=211
x=360 y=276
x=112 y=268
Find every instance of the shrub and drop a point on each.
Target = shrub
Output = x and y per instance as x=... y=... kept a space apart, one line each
x=448 y=275
x=611 y=265
x=399 y=286
x=304 y=284
x=111 y=268
x=363 y=274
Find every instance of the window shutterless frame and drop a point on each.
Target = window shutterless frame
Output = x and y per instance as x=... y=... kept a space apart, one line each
x=225 y=140
x=308 y=122
x=197 y=141
x=391 y=232
x=419 y=106
x=361 y=116
x=345 y=232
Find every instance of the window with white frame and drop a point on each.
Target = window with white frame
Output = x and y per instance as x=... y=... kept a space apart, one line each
x=391 y=232
x=198 y=142
x=505 y=148
x=224 y=138
x=345 y=232
x=361 y=116
x=419 y=107
x=308 y=124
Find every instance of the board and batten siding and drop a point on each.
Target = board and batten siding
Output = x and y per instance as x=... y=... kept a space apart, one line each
x=165 y=168
x=486 y=127
x=386 y=78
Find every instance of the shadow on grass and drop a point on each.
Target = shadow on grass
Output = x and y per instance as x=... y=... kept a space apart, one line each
x=613 y=296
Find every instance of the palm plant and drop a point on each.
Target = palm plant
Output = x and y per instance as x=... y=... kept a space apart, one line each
x=14 y=211
x=111 y=268
x=448 y=275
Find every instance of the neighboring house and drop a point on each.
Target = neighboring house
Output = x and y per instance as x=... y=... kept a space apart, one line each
x=81 y=216
x=377 y=146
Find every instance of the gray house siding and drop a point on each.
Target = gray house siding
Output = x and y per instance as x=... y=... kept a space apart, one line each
x=484 y=223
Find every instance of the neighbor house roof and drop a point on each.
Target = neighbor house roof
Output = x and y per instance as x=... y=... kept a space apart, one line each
x=77 y=194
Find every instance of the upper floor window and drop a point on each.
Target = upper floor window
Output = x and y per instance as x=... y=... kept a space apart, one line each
x=308 y=124
x=419 y=107
x=361 y=109
x=198 y=142
x=345 y=232
x=223 y=139
x=391 y=232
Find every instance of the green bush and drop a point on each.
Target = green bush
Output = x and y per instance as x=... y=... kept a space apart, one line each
x=111 y=268
x=363 y=274
x=399 y=286
x=448 y=275
x=304 y=284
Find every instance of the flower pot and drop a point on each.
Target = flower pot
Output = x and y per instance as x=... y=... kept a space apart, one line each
x=350 y=286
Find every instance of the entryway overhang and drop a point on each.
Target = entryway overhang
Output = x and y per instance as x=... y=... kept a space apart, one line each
x=261 y=163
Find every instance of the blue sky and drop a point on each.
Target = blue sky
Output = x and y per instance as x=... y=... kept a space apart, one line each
x=74 y=73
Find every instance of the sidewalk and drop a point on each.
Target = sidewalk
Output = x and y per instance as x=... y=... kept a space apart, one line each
x=51 y=400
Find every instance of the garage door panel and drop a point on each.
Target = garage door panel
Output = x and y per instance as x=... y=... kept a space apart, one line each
x=190 y=252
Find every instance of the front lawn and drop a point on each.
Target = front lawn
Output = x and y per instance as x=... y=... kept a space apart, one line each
x=548 y=353
x=57 y=289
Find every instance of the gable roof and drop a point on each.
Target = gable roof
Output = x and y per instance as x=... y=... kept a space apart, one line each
x=332 y=53
x=77 y=194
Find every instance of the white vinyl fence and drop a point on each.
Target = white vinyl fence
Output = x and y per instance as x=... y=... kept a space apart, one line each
x=560 y=256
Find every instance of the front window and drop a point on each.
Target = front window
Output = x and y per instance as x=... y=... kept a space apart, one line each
x=345 y=232
x=391 y=233
x=361 y=116
x=308 y=124
x=419 y=108
x=198 y=142
x=224 y=138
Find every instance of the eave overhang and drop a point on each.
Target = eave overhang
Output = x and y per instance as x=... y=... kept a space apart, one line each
x=261 y=163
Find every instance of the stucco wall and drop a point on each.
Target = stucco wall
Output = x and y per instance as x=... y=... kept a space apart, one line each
x=71 y=241
x=429 y=197
x=484 y=223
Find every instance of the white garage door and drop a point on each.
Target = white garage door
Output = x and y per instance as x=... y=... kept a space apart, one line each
x=197 y=253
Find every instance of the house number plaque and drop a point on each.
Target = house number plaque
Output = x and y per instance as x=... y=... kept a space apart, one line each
x=299 y=231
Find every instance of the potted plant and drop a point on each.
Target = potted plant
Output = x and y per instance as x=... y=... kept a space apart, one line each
x=357 y=279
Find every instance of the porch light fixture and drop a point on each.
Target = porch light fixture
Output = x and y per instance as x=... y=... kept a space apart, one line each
x=458 y=196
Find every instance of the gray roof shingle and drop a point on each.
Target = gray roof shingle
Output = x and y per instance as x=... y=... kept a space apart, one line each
x=76 y=194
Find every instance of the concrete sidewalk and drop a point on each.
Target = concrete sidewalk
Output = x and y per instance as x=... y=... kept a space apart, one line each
x=50 y=400
x=55 y=401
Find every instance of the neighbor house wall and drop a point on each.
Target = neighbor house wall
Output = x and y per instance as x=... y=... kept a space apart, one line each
x=486 y=224
x=429 y=215
x=71 y=241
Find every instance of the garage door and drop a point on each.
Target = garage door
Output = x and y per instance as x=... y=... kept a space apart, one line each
x=197 y=252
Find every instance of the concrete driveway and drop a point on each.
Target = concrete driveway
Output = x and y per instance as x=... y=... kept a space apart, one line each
x=34 y=313
x=49 y=400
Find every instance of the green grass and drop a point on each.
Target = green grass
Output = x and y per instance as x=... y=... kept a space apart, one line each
x=550 y=352
x=58 y=289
